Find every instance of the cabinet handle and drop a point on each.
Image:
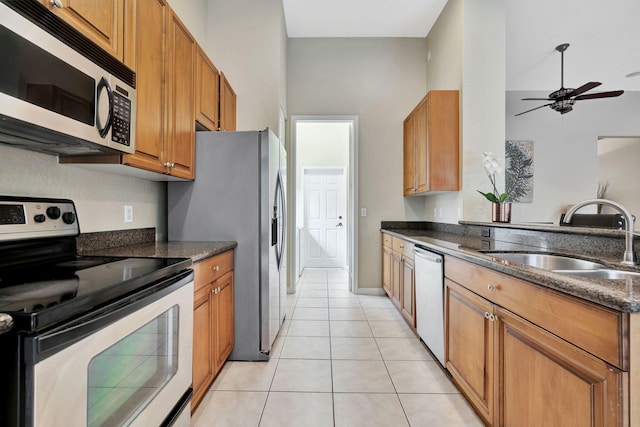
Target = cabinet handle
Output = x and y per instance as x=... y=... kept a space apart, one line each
x=487 y=315
x=216 y=268
x=491 y=287
x=401 y=246
x=216 y=290
x=493 y=318
x=57 y=3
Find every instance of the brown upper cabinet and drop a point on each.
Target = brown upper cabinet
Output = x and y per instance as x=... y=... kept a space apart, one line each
x=227 y=105
x=431 y=150
x=165 y=116
x=108 y=23
x=177 y=88
x=207 y=92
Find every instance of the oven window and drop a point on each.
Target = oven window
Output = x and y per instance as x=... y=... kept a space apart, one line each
x=125 y=377
x=34 y=75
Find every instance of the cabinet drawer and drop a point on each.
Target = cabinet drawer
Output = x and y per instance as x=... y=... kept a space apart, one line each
x=210 y=269
x=386 y=240
x=596 y=329
x=403 y=247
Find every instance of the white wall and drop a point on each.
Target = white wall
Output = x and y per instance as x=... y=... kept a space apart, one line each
x=99 y=197
x=467 y=52
x=565 y=148
x=246 y=39
x=618 y=166
x=380 y=81
x=483 y=105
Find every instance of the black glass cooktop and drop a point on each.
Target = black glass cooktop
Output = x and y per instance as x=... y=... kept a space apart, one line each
x=40 y=294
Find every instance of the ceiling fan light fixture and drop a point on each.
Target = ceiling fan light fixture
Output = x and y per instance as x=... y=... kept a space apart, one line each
x=562 y=100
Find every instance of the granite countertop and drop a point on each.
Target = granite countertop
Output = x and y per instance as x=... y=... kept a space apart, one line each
x=622 y=295
x=195 y=250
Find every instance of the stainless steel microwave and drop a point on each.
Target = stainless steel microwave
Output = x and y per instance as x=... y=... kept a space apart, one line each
x=59 y=92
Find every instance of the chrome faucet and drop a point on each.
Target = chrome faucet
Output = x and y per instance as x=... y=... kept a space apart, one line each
x=629 y=253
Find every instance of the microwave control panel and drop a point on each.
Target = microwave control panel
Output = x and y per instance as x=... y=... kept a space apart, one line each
x=121 y=124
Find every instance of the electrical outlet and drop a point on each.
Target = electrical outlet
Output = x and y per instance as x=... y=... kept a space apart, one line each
x=435 y=212
x=363 y=211
x=440 y=212
x=128 y=213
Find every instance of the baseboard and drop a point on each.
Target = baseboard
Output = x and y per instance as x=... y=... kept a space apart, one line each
x=371 y=291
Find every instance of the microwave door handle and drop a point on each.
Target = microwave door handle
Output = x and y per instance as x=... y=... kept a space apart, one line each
x=104 y=130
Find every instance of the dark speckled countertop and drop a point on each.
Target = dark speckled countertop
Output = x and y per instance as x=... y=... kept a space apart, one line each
x=622 y=295
x=195 y=250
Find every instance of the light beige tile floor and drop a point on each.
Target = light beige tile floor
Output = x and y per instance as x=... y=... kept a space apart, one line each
x=340 y=360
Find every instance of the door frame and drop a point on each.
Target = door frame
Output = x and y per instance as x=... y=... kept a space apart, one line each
x=343 y=171
x=352 y=197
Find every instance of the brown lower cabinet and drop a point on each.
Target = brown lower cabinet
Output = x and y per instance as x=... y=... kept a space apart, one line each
x=398 y=276
x=516 y=373
x=213 y=328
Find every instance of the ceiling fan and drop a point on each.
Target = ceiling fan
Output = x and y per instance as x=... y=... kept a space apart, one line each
x=562 y=100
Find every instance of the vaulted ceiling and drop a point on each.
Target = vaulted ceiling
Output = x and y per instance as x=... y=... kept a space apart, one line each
x=604 y=35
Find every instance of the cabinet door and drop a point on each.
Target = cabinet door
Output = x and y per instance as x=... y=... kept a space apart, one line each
x=387 y=258
x=151 y=89
x=469 y=346
x=442 y=137
x=207 y=91
x=408 y=154
x=181 y=122
x=227 y=105
x=545 y=381
x=224 y=319
x=408 y=291
x=421 y=180
x=203 y=363
x=396 y=277
x=102 y=21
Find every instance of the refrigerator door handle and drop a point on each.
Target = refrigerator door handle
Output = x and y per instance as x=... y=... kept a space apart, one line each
x=274 y=231
x=279 y=201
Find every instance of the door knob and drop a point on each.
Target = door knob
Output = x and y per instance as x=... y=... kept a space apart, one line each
x=339 y=224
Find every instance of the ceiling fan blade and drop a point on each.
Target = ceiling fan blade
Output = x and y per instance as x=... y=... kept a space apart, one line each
x=542 y=106
x=611 y=94
x=537 y=99
x=585 y=87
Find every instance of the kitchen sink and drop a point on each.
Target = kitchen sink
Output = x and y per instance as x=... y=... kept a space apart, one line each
x=548 y=261
x=603 y=274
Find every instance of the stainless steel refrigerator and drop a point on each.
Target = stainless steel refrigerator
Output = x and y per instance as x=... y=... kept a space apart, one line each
x=239 y=194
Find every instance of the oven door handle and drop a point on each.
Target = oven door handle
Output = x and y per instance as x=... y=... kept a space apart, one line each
x=49 y=343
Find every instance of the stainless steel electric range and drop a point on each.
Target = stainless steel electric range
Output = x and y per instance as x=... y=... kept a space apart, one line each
x=88 y=341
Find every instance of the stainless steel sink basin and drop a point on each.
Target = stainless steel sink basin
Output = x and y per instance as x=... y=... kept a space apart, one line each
x=603 y=274
x=547 y=261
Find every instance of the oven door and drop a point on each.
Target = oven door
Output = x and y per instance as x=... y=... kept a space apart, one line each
x=131 y=365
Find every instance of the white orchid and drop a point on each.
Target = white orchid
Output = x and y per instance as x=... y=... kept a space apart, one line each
x=492 y=167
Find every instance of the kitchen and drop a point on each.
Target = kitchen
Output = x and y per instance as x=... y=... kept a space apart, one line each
x=260 y=38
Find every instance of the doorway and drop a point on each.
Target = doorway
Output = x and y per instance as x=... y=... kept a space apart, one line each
x=323 y=196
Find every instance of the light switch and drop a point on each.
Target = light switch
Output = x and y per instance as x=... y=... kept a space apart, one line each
x=128 y=213
x=363 y=211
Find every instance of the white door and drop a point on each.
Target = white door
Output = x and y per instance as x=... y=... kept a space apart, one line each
x=325 y=218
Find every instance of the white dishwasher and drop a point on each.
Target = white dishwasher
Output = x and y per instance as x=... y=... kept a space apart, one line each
x=430 y=300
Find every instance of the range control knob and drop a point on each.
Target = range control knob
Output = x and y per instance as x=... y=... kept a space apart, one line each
x=53 y=212
x=40 y=218
x=6 y=323
x=68 y=217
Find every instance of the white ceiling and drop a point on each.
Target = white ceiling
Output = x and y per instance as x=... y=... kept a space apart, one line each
x=361 y=18
x=604 y=35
